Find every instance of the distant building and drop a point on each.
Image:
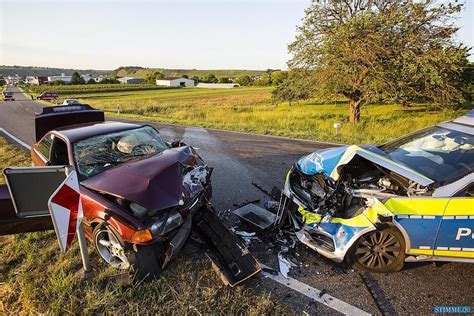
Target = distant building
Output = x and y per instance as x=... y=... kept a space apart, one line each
x=130 y=80
x=63 y=78
x=99 y=78
x=86 y=77
x=31 y=80
x=175 y=82
x=217 y=85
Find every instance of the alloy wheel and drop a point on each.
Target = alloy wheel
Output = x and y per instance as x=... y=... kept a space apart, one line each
x=110 y=249
x=378 y=250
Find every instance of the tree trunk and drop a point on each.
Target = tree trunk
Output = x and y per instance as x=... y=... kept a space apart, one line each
x=354 y=111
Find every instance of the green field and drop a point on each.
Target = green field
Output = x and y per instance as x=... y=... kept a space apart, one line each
x=35 y=278
x=250 y=109
x=92 y=88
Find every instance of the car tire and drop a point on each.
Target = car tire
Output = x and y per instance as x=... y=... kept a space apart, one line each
x=142 y=261
x=110 y=247
x=381 y=251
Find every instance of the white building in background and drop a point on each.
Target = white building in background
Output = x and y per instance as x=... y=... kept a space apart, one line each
x=31 y=80
x=131 y=80
x=175 y=82
x=99 y=78
x=86 y=77
x=217 y=85
x=63 y=78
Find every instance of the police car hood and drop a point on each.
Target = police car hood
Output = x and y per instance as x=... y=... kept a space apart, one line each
x=329 y=161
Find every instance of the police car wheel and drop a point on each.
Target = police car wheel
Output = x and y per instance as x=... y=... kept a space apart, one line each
x=379 y=251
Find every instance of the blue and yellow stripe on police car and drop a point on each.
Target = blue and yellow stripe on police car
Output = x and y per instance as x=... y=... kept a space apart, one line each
x=437 y=226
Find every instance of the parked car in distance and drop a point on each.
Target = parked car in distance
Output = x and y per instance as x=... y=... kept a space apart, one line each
x=71 y=101
x=48 y=96
x=377 y=207
x=8 y=96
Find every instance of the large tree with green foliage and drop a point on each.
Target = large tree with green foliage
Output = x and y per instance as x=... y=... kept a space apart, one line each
x=76 y=78
x=152 y=77
x=383 y=50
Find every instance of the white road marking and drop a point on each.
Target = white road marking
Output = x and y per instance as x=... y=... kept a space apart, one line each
x=315 y=294
x=15 y=139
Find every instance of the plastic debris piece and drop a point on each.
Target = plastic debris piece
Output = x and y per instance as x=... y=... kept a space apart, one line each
x=284 y=265
x=256 y=215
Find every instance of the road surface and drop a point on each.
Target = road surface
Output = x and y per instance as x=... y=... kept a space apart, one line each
x=240 y=159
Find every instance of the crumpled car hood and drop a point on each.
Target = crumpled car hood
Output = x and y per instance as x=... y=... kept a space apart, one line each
x=327 y=162
x=155 y=182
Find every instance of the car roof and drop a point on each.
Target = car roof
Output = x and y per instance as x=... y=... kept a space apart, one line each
x=76 y=133
x=463 y=124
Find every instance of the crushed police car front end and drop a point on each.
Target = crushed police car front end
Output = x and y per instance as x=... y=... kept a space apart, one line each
x=338 y=196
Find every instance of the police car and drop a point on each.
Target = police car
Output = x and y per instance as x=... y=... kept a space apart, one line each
x=411 y=199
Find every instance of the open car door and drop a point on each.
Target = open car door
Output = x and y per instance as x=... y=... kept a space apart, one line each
x=24 y=199
x=54 y=117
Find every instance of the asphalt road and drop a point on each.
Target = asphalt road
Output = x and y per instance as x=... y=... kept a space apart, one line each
x=240 y=159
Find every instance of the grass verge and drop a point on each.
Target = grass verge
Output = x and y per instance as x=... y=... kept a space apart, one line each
x=35 y=278
x=250 y=109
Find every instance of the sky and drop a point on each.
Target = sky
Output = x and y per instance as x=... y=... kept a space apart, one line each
x=178 y=34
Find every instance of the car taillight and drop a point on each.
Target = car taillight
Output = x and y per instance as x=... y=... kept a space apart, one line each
x=142 y=236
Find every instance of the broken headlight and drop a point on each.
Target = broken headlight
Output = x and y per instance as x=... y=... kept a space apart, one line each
x=166 y=223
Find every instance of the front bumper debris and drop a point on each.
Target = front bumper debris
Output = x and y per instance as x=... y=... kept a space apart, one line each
x=230 y=257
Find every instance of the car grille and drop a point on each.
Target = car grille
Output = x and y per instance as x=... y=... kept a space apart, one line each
x=323 y=241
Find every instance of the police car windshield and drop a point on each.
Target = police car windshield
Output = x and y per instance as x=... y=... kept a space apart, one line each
x=440 y=154
x=99 y=153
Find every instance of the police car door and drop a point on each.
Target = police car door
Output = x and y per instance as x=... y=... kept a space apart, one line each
x=456 y=234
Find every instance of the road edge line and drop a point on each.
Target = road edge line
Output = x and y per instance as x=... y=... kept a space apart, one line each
x=14 y=138
x=315 y=294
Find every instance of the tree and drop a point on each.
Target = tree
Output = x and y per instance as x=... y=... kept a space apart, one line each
x=278 y=76
x=387 y=50
x=152 y=77
x=223 y=80
x=196 y=79
x=76 y=78
x=109 y=80
x=185 y=76
x=244 y=80
x=91 y=81
x=210 y=78
x=264 y=80
x=297 y=86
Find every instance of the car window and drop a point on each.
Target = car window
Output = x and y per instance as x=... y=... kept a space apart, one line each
x=59 y=153
x=440 y=154
x=467 y=191
x=98 y=153
x=44 y=146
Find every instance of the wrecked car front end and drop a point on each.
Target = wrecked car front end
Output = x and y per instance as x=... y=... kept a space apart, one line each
x=336 y=196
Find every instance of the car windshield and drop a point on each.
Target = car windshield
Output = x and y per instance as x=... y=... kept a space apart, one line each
x=99 y=153
x=440 y=154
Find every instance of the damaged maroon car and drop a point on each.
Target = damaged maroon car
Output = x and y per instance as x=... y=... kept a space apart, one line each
x=141 y=196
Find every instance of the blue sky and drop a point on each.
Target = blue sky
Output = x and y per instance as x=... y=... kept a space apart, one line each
x=200 y=34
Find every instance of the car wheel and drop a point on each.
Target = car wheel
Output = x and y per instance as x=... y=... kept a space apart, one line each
x=379 y=251
x=110 y=247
